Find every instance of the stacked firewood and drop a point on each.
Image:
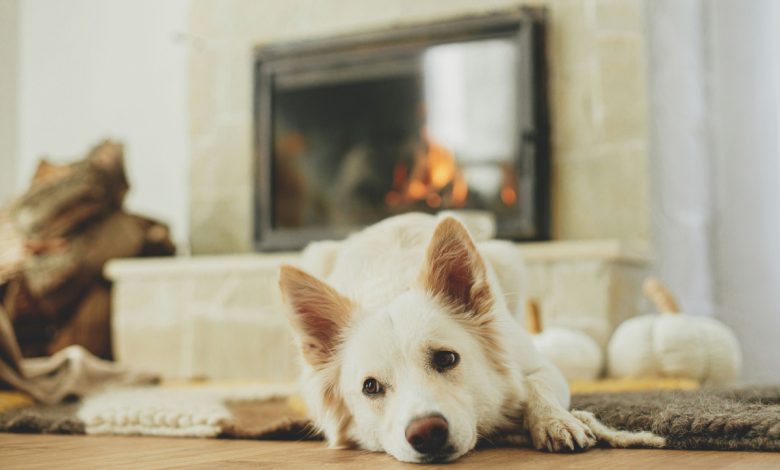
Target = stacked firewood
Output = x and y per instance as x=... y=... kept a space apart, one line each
x=55 y=240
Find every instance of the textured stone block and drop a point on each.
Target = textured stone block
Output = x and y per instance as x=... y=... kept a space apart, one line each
x=219 y=159
x=618 y=15
x=221 y=222
x=622 y=88
x=602 y=194
x=202 y=90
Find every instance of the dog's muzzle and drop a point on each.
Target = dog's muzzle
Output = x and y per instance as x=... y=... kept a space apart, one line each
x=428 y=435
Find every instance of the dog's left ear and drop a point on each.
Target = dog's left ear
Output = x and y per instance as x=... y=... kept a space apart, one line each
x=318 y=312
x=455 y=271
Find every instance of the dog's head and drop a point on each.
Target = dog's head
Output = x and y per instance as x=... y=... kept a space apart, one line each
x=422 y=377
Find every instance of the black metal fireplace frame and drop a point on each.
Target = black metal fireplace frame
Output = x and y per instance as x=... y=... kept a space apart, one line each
x=526 y=25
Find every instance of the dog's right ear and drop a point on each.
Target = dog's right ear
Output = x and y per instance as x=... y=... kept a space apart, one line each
x=318 y=313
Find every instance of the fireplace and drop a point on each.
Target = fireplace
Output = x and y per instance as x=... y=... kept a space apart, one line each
x=443 y=116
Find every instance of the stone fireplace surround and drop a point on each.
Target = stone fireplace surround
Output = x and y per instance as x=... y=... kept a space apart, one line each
x=220 y=316
x=596 y=86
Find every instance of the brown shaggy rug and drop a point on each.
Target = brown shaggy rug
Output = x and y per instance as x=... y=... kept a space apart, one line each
x=735 y=419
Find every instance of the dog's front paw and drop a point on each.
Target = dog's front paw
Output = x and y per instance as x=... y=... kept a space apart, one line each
x=562 y=432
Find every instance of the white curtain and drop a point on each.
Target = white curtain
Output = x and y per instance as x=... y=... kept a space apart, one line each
x=714 y=84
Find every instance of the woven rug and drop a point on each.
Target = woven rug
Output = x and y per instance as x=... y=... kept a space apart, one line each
x=736 y=419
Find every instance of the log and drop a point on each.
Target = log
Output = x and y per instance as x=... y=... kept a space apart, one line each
x=62 y=198
x=33 y=325
x=90 y=325
x=59 y=278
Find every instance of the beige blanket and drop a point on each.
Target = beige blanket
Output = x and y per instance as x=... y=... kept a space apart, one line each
x=73 y=371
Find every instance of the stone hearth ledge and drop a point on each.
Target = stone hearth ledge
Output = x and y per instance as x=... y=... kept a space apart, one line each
x=220 y=317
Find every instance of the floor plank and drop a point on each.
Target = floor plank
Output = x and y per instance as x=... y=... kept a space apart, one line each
x=28 y=451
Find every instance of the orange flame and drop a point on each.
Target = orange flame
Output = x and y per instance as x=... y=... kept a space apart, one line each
x=508 y=195
x=508 y=185
x=435 y=179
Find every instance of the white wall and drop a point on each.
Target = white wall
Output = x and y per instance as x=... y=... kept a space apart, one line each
x=9 y=70
x=91 y=69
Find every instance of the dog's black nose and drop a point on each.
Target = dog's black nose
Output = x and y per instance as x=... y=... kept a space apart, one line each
x=428 y=434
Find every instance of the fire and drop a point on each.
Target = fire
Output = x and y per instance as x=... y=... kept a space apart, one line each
x=508 y=192
x=508 y=195
x=435 y=178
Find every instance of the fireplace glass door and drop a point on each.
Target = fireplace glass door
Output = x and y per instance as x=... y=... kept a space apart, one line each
x=367 y=128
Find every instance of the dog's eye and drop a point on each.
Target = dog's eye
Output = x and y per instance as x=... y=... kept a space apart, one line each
x=445 y=360
x=372 y=387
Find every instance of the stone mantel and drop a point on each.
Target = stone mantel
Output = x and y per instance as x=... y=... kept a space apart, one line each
x=613 y=250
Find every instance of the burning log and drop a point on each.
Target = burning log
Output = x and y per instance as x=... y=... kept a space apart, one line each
x=435 y=179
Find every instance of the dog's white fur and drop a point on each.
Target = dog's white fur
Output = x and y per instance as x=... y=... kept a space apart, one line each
x=390 y=295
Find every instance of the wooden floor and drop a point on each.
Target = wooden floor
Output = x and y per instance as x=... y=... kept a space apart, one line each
x=20 y=451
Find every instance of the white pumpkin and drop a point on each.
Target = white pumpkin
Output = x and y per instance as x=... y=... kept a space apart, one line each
x=575 y=353
x=672 y=344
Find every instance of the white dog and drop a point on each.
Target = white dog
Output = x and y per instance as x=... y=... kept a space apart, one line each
x=409 y=345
